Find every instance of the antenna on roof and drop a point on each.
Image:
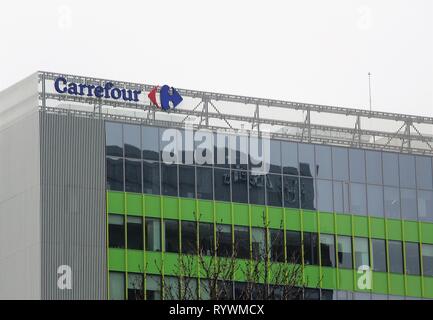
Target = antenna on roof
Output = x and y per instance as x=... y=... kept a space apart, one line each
x=369 y=87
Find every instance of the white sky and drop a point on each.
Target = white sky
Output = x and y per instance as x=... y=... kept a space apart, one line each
x=308 y=51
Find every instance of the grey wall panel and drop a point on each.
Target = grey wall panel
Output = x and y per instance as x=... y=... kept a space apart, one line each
x=73 y=220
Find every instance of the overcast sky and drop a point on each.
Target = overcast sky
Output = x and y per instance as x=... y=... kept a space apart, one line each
x=308 y=51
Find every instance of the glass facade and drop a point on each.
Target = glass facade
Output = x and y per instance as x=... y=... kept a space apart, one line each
x=317 y=200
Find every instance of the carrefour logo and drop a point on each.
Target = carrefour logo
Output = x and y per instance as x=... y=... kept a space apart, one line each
x=167 y=97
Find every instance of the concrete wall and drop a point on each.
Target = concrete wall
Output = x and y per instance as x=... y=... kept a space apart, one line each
x=20 y=237
x=73 y=205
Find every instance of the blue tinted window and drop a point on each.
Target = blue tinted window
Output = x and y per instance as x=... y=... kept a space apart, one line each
x=257 y=188
x=357 y=165
x=115 y=174
x=323 y=162
x=390 y=169
x=291 y=191
x=274 y=190
x=374 y=167
x=151 y=181
x=169 y=179
x=424 y=175
x=407 y=171
x=133 y=176
x=306 y=160
x=222 y=184
x=289 y=153
x=340 y=164
x=131 y=141
x=113 y=139
x=239 y=186
x=150 y=143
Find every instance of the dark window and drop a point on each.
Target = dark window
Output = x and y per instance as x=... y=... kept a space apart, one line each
x=258 y=243
x=222 y=150
x=357 y=165
x=311 y=294
x=374 y=167
x=425 y=205
x=358 y=201
x=171 y=287
x=206 y=238
x=189 y=237
x=289 y=153
x=239 y=186
x=133 y=176
x=323 y=162
x=257 y=188
x=115 y=174
x=187 y=181
x=311 y=248
x=379 y=255
x=424 y=172
x=135 y=233
x=277 y=245
x=274 y=190
x=225 y=290
x=222 y=185
x=408 y=204
x=362 y=257
x=131 y=141
x=242 y=242
x=340 y=164
x=116 y=231
x=326 y=294
x=344 y=245
x=151 y=182
x=395 y=256
x=307 y=193
x=204 y=183
x=390 y=169
x=412 y=258
x=291 y=191
x=171 y=233
x=324 y=196
x=275 y=156
x=327 y=250
x=293 y=247
x=306 y=160
x=150 y=143
x=169 y=179
x=153 y=287
x=407 y=171
x=153 y=234
x=113 y=139
x=204 y=148
x=224 y=240
x=375 y=200
x=117 y=285
x=427 y=259
x=392 y=202
x=135 y=286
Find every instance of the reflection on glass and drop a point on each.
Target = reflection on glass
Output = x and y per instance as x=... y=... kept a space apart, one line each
x=133 y=176
x=274 y=190
x=114 y=174
x=341 y=197
x=150 y=143
x=412 y=258
x=291 y=191
x=425 y=205
x=407 y=170
x=153 y=234
x=340 y=164
x=361 y=252
x=395 y=256
x=293 y=246
x=379 y=255
x=358 y=202
x=424 y=173
x=289 y=154
x=344 y=252
x=204 y=183
x=151 y=182
x=222 y=184
x=357 y=165
x=323 y=162
x=307 y=193
x=392 y=202
x=187 y=181
x=306 y=160
x=390 y=169
x=427 y=259
x=131 y=141
x=375 y=200
x=257 y=188
x=169 y=179
x=408 y=204
x=113 y=139
x=324 y=196
x=374 y=167
x=327 y=249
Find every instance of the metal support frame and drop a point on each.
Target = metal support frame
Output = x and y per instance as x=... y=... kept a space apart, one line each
x=407 y=140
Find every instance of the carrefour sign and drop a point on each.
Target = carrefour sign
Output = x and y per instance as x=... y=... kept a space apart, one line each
x=168 y=96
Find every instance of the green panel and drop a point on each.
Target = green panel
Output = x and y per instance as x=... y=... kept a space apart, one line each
x=153 y=262
x=326 y=222
x=241 y=273
x=329 y=278
x=172 y=264
x=134 y=204
x=240 y=214
x=116 y=201
x=170 y=207
x=258 y=213
x=293 y=219
x=116 y=259
x=152 y=206
x=394 y=229
x=309 y=220
x=380 y=282
x=377 y=228
x=396 y=284
x=205 y=209
x=344 y=225
x=312 y=276
x=413 y=286
x=276 y=217
x=135 y=261
x=223 y=212
x=411 y=231
x=427 y=232
x=360 y=226
x=428 y=287
x=188 y=209
x=346 y=279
